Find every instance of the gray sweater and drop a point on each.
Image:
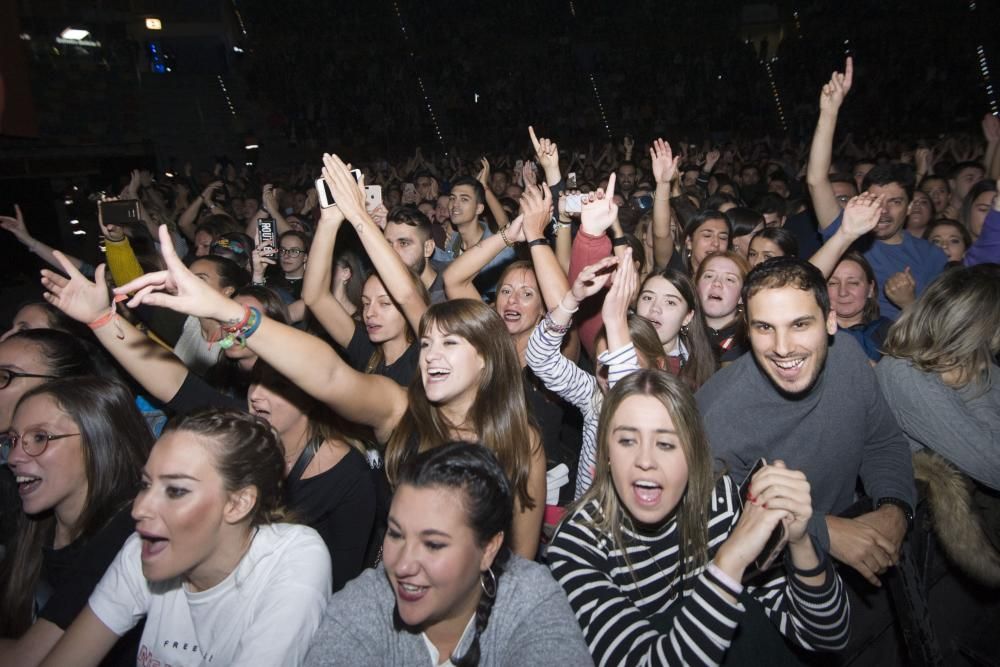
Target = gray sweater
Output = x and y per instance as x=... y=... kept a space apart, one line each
x=531 y=624
x=840 y=430
x=962 y=425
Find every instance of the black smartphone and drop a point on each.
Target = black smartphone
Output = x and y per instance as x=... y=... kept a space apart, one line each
x=119 y=211
x=776 y=542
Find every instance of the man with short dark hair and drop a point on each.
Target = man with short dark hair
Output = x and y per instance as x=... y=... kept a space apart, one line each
x=408 y=231
x=808 y=396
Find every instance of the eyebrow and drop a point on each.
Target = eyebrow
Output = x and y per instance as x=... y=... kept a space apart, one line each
x=425 y=532
x=176 y=476
x=633 y=428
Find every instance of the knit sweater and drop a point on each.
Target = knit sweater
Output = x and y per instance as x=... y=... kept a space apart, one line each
x=652 y=612
x=530 y=624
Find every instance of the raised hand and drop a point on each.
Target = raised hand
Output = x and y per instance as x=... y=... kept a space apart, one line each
x=16 y=226
x=78 y=297
x=834 y=92
x=991 y=128
x=349 y=194
x=528 y=175
x=179 y=289
x=536 y=211
x=711 y=158
x=484 y=173
x=546 y=151
x=593 y=278
x=619 y=296
x=861 y=215
x=664 y=164
x=269 y=199
x=901 y=288
x=206 y=194
x=924 y=159
x=599 y=210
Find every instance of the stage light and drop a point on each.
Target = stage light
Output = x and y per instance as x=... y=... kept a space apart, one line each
x=237 y=49
x=251 y=147
x=74 y=34
x=79 y=232
x=74 y=221
x=154 y=24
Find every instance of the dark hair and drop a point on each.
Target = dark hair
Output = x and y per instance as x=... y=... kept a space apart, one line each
x=715 y=202
x=965 y=215
x=962 y=166
x=885 y=174
x=703 y=216
x=57 y=320
x=65 y=355
x=349 y=259
x=411 y=216
x=846 y=179
x=871 y=310
x=476 y=186
x=489 y=505
x=247 y=452
x=638 y=251
x=274 y=306
x=786 y=272
x=743 y=220
x=781 y=237
x=231 y=274
x=115 y=442
x=234 y=246
x=772 y=203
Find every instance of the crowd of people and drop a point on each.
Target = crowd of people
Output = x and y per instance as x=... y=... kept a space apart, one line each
x=620 y=404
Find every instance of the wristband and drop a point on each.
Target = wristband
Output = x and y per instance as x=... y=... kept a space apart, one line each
x=110 y=316
x=551 y=326
x=901 y=504
x=537 y=242
x=238 y=333
x=567 y=310
x=717 y=576
x=619 y=241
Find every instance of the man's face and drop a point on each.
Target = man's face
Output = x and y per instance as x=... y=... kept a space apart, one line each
x=890 y=224
x=626 y=177
x=779 y=188
x=499 y=182
x=964 y=181
x=774 y=220
x=464 y=207
x=843 y=192
x=749 y=176
x=406 y=241
x=789 y=337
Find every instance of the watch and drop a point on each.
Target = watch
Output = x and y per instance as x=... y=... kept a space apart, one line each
x=901 y=504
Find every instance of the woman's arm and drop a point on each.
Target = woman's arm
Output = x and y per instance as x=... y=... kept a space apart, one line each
x=186 y=222
x=20 y=231
x=492 y=202
x=664 y=166
x=84 y=644
x=304 y=359
x=32 y=647
x=316 y=283
x=820 y=154
x=526 y=529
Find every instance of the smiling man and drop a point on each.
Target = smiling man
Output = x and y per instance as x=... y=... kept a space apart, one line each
x=808 y=397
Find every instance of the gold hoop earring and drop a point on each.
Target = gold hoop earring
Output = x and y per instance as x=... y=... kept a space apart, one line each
x=491 y=594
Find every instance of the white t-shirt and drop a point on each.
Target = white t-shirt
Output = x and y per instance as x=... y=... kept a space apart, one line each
x=264 y=613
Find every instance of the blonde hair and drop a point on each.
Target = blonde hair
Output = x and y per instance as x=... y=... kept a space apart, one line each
x=692 y=510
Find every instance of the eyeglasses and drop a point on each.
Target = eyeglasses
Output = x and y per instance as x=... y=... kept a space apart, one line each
x=7 y=376
x=292 y=252
x=33 y=442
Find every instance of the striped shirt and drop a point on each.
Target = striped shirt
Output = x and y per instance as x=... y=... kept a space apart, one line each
x=616 y=605
x=577 y=387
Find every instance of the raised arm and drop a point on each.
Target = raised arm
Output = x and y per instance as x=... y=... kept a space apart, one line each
x=861 y=215
x=188 y=219
x=664 y=166
x=316 y=284
x=459 y=275
x=304 y=359
x=20 y=231
x=399 y=281
x=817 y=175
x=492 y=202
x=547 y=154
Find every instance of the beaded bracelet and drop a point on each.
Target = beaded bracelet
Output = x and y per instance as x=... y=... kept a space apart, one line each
x=552 y=327
x=239 y=333
x=503 y=235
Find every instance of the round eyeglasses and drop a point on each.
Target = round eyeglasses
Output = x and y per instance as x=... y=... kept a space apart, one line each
x=33 y=441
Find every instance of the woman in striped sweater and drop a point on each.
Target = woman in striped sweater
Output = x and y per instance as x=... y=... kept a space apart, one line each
x=654 y=556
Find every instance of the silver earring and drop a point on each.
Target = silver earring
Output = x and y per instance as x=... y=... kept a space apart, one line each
x=493 y=583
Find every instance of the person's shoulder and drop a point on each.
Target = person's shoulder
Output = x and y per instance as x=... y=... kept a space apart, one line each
x=289 y=543
x=845 y=353
x=367 y=597
x=726 y=380
x=525 y=583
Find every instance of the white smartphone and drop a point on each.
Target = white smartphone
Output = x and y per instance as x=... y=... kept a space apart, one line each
x=326 y=199
x=574 y=204
x=373 y=197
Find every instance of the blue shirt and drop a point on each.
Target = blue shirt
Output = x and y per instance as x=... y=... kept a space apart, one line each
x=924 y=258
x=486 y=281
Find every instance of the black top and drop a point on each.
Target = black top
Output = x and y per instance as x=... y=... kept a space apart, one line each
x=360 y=350
x=729 y=342
x=196 y=394
x=558 y=441
x=70 y=574
x=339 y=504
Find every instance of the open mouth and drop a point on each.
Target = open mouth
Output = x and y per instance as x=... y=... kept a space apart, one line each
x=372 y=328
x=437 y=374
x=152 y=544
x=27 y=484
x=788 y=368
x=410 y=592
x=511 y=316
x=647 y=492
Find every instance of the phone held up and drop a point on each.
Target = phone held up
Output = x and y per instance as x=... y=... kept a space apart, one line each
x=266 y=235
x=119 y=212
x=326 y=199
x=776 y=541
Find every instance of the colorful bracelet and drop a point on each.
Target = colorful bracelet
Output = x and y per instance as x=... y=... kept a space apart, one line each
x=551 y=326
x=110 y=316
x=239 y=333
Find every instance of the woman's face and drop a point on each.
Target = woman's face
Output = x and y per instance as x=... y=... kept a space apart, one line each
x=433 y=559
x=661 y=303
x=202 y=243
x=921 y=211
x=56 y=479
x=949 y=239
x=268 y=402
x=712 y=236
x=519 y=303
x=209 y=273
x=849 y=290
x=762 y=249
x=19 y=356
x=182 y=510
x=383 y=320
x=937 y=190
x=719 y=288
x=29 y=317
x=450 y=367
x=648 y=465
x=244 y=355
x=293 y=256
x=977 y=216
x=741 y=244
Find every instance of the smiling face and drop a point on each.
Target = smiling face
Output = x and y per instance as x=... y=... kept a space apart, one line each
x=849 y=291
x=383 y=320
x=719 y=289
x=648 y=465
x=56 y=479
x=762 y=249
x=789 y=336
x=450 y=367
x=463 y=205
x=949 y=239
x=519 y=303
x=433 y=560
x=711 y=236
x=661 y=303
x=181 y=509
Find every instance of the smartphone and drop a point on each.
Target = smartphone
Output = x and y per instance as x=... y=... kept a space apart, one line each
x=373 y=197
x=776 y=542
x=119 y=212
x=266 y=234
x=326 y=199
x=643 y=203
x=571 y=180
x=574 y=203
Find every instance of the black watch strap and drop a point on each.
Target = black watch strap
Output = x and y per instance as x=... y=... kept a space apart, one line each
x=532 y=244
x=901 y=504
